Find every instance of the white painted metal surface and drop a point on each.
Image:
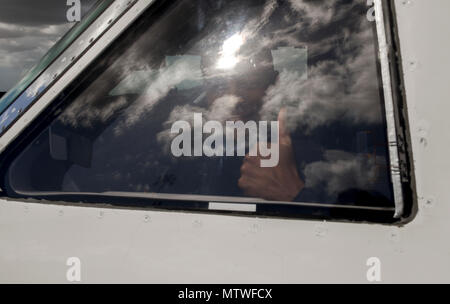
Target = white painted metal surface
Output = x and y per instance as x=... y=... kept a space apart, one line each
x=116 y=245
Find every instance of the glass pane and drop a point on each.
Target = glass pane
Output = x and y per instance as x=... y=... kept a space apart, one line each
x=310 y=66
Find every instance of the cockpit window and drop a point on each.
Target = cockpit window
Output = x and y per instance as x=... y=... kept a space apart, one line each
x=273 y=103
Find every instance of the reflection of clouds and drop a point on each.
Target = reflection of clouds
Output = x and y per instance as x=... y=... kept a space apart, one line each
x=91 y=106
x=340 y=171
x=184 y=113
x=305 y=25
x=344 y=89
x=177 y=73
x=134 y=83
x=340 y=86
x=40 y=84
x=291 y=59
x=80 y=115
x=94 y=105
x=21 y=47
x=316 y=12
x=221 y=110
x=27 y=31
x=253 y=26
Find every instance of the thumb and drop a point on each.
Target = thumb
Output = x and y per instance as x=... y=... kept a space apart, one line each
x=286 y=152
x=282 y=123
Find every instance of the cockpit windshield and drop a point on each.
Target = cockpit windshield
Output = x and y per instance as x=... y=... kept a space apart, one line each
x=178 y=105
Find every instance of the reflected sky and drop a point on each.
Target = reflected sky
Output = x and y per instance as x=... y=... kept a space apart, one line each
x=324 y=56
x=51 y=70
x=235 y=60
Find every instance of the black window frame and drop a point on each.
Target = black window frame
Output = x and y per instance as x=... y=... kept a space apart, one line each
x=357 y=215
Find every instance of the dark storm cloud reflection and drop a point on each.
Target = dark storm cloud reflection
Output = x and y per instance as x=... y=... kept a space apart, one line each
x=28 y=29
x=37 y=13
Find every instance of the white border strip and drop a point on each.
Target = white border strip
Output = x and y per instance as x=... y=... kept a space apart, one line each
x=232 y=207
x=389 y=107
x=199 y=198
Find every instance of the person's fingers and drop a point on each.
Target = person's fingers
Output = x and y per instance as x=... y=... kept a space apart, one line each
x=252 y=159
x=282 y=128
x=252 y=171
x=247 y=184
x=251 y=191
